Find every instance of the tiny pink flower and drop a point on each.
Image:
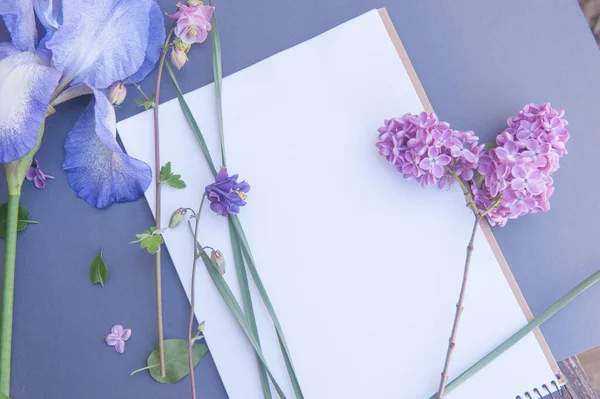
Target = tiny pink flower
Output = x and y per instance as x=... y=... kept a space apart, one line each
x=527 y=178
x=117 y=337
x=435 y=162
x=193 y=22
x=37 y=176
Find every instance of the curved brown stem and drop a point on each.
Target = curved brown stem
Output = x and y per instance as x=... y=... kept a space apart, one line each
x=159 y=316
x=459 y=309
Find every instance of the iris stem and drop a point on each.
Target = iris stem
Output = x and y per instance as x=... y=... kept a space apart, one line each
x=192 y=299
x=8 y=291
x=159 y=313
x=15 y=175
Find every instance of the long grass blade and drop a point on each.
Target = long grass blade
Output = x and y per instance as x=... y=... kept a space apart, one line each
x=192 y=121
x=519 y=335
x=233 y=305
x=240 y=268
x=265 y=297
x=218 y=76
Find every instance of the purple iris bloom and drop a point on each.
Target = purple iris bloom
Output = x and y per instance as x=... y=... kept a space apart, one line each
x=37 y=176
x=88 y=45
x=226 y=195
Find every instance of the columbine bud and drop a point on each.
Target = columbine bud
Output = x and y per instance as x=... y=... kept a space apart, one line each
x=178 y=57
x=117 y=93
x=177 y=217
x=219 y=260
x=201 y=327
x=193 y=3
x=181 y=45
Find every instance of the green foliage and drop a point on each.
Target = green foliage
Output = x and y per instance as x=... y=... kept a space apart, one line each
x=150 y=239
x=147 y=104
x=98 y=270
x=176 y=360
x=21 y=224
x=173 y=180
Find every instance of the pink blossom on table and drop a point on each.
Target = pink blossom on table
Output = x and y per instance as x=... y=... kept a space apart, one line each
x=518 y=172
x=422 y=148
x=117 y=337
x=37 y=176
x=193 y=22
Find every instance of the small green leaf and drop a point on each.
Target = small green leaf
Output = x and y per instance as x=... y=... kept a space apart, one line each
x=98 y=270
x=167 y=176
x=21 y=223
x=3 y=397
x=165 y=172
x=175 y=181
x=147 y=104
x=176 y=360
x=150 y=240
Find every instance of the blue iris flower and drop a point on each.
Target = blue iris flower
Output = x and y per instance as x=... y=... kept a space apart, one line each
x=88 y=45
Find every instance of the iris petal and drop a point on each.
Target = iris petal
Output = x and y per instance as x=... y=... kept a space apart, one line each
x=7 y=49
x=156 y=39
x=49 y=13
x=98 y=170
x=100 y=41
x=25 y=90
x=20 y=21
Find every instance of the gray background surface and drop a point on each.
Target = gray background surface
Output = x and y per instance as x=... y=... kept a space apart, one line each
x=479 y=62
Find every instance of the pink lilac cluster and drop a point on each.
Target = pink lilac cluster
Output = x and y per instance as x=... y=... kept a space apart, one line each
x=423 y=148
x=518 y=172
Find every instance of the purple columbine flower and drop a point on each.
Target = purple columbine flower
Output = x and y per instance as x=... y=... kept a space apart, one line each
x=117 y=337
x=226 y=195
x=36 y=175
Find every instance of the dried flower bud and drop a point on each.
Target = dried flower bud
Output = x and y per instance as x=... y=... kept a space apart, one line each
x=177 y=217
x=117 y=93
x=181 y=45
x=193 y=3
x=219 y=260
x=178 y=57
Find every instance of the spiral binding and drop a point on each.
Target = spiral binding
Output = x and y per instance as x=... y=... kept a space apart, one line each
x=561 y=392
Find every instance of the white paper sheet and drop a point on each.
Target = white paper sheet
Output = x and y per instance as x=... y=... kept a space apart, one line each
x=363 y=267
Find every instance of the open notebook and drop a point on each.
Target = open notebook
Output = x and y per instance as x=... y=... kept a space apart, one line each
x=363 y=267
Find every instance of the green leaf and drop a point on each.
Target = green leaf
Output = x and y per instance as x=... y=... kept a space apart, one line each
x=247 y=302
x=21 y=223
x=165 y=172
x=235 y=222
x=218 y=76
x=176 y=182
x=167 y=176
x=233 y=305
x=152 y=243
x=150 y=240
x=176 y=360
x=147 y=104
x=191 y=121
x=3 y=397
x=98 y=270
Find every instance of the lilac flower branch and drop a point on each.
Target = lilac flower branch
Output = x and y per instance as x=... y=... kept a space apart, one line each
x=507 y=179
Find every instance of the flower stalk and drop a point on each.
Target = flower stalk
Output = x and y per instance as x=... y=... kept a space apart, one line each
x=192 y=300
x=459 y=309
x=159 y=313
x=15 y=175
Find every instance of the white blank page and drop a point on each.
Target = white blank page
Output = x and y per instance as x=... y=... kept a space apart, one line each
x=363 y=267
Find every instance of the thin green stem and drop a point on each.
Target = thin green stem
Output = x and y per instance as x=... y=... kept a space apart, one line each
x=522 y=333
x=144 y=368
x=192 y=300
x=8 y=291
x=159 y=312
